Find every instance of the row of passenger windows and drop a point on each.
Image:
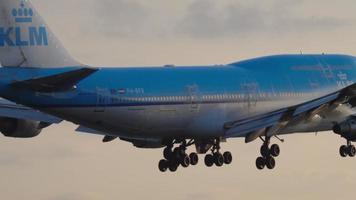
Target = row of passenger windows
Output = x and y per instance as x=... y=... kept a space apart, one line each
x=225 y=97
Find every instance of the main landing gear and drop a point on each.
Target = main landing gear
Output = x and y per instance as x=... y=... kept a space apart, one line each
x=347 y=150
x=267 y=154
x=216 y=157
x=175 y=157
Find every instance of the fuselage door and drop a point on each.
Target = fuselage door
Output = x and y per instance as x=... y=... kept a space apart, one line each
x=250 y=90
x=193 y=91
x=102 y=99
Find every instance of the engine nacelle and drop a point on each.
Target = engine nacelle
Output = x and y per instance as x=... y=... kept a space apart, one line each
x=18 y=128
x=346 y=129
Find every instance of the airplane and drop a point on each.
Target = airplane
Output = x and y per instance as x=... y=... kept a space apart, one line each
x=172 y=107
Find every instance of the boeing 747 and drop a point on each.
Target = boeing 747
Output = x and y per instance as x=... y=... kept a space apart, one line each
x=171 y=107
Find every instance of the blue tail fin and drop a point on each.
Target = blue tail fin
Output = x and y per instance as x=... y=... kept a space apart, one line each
x=25 y=39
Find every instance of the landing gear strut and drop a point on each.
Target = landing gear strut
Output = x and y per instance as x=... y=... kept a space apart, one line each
x=347 y=150
x=267 y=154
x=216 y=157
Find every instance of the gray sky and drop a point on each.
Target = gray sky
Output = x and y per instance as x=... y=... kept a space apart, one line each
x=61 y=164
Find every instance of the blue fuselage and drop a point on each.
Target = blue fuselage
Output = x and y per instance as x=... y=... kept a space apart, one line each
x=167 y=102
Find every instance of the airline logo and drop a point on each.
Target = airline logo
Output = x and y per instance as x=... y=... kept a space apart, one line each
x=16 y=36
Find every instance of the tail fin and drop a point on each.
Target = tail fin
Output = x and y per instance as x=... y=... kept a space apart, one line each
x=25 y=39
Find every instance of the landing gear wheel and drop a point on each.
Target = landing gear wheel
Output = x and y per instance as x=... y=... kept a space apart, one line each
x=163 y=165
x=194 y=159
x=274 y=150
x=343 y=151
x=227 y=157
x=167 y=153
x=264 y=150
x=260 y=163
x=270 y=162
x=185 y=161
x=218 y=159
x=351 y=151
x=173 y=167
x=209 y=160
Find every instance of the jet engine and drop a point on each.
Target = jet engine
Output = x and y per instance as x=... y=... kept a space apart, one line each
x=19 y=128
x=346 y=129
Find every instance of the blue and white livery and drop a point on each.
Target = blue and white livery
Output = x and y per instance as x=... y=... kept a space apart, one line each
x=172 y=106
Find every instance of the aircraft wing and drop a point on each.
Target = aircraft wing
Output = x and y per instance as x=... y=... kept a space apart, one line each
x=57 y=82
x=12 y=110
x=270 y=123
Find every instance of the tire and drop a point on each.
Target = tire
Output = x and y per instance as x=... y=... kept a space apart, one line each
x=194 y=159
x=209 y=160
x=260 y=163
x=218 y=159
x=275 y=150
x=343 y=151
x=173 y=167
x=163 y=165
x=185 y=161
x=227 y=157
x=167 y=153
x=270 y=162
x=264 y=151
x=352 y=151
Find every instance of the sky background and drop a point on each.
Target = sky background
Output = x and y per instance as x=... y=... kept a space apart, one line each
x=63 y=165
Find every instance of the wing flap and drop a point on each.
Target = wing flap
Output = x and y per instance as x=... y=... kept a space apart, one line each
x=315 y=103
x=241 y=128
x=85 y=129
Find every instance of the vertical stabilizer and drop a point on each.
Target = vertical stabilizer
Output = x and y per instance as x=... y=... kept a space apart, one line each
x=25 y=39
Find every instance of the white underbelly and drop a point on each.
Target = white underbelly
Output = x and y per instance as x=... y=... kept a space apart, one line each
x=166 y=121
